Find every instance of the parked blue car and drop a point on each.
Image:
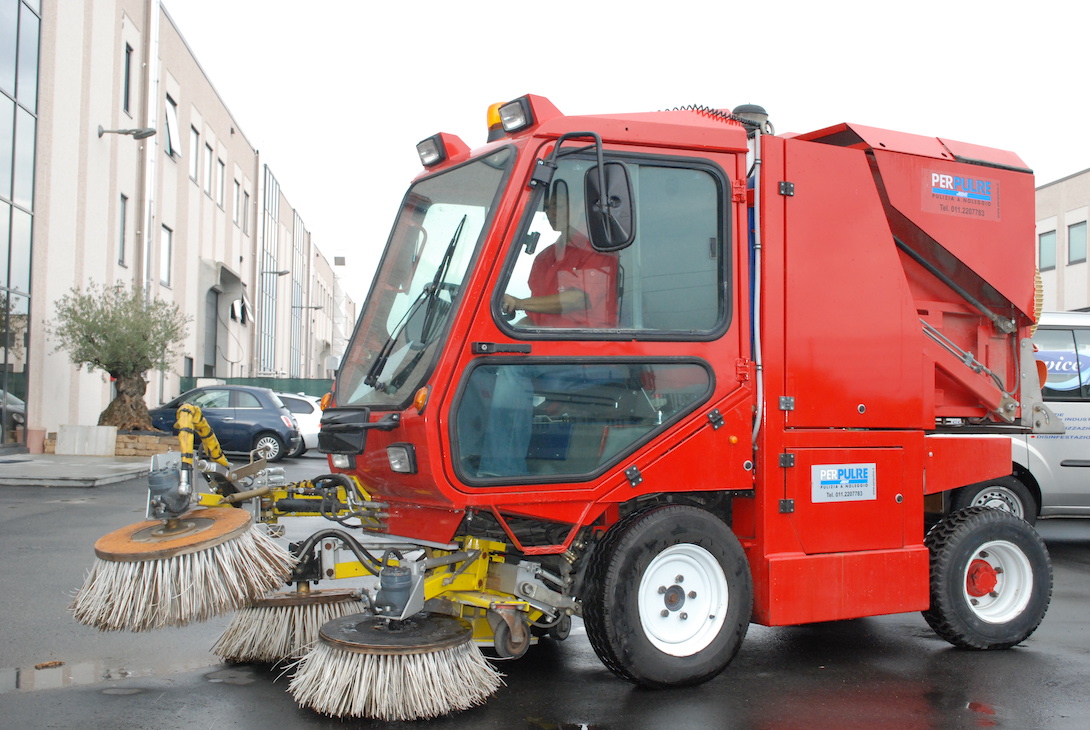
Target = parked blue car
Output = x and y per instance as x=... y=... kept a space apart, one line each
x=243 y=418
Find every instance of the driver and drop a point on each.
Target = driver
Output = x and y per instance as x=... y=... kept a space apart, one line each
x=571 y=284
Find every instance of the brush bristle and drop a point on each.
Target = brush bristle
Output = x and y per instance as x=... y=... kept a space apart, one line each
x=393 y=687
x=153 y=594
x=275 y=633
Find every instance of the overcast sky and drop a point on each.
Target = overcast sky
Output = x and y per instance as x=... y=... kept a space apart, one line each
x=336 y=94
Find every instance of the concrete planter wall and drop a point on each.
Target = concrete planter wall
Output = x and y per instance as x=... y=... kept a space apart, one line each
x=107 y=441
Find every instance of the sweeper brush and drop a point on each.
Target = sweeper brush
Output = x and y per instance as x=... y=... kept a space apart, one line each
x=283 y=626
x=156 y=573
x=368 y=666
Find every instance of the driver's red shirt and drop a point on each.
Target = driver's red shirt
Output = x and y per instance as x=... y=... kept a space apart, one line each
x=581 y=267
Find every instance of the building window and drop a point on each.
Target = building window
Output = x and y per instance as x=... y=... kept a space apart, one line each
x=237 y=200
x=208 y=169
x=194 y=160
x=173 y=147
x=1046 y=253
x=1076 y=243
x=122 y=214
x=246 y=213
x=221 y=171
x=166 y=243
x=126 y=91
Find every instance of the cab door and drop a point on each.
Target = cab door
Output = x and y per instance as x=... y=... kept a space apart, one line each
x=587 y=356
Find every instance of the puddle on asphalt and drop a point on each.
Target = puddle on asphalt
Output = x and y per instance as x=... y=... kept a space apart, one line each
x=57 y=675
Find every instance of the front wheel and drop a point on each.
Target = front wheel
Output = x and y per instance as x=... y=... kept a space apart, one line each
x=272 y=446
x=991 y=579
x=669 y=597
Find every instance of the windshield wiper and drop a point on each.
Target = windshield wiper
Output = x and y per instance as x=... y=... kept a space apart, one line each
x=388 y=346
x=437 y=282
x=430 y=294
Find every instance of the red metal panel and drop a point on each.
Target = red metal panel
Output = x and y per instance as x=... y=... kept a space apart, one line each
x=853 y=345
x=849 y=499
x=983 y=217
x=954 y=461
x=806 y=588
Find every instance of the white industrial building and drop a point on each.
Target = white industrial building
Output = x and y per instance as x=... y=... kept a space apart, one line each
x=192 y=213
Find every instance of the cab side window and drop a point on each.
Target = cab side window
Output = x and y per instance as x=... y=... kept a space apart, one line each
x=671 y=279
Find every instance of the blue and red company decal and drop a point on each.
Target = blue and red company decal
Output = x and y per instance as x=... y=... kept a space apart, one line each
x=1067 y=370
x=843 y=482
x=960 y=195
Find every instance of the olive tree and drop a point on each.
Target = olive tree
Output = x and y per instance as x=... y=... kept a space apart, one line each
x=120 y=331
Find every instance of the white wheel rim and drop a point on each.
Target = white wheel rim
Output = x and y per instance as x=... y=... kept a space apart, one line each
x=682 y=600
x=269 y=445
x=998 y=582
x=1001 y=498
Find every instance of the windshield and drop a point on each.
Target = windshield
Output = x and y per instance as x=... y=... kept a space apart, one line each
x=442 y=219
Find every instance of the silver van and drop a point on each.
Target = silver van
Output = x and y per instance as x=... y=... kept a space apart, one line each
x=1051 y=473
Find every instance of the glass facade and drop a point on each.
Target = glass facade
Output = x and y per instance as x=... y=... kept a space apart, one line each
x=270 y=245
x=20 y=30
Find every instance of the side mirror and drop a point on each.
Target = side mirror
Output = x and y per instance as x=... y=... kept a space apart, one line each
x=610 y=218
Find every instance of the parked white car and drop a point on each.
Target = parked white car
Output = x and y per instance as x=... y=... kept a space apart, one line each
x=308 y=412
x=1050 y=473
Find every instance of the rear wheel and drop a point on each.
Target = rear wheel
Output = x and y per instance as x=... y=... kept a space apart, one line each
x=272 y=445
x=1006 y=493
x=668 y=597
x=991 y=579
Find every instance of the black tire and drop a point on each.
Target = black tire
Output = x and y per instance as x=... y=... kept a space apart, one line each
x=1006 y=493
x=639 y=572
x=299 y=450
x=558 y=631
x=561 y=629
x=991 y=579
x=273 y=446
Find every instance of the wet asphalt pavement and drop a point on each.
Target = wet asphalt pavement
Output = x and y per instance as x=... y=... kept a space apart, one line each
x=888 y=672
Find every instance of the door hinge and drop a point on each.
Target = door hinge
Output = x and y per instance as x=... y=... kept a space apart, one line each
x=742 y=367
x=787 y=506
x=787 y=460
x=633 y=475
x=738 y=190
x=715 y=418
x=787 y=188
x=787 y=402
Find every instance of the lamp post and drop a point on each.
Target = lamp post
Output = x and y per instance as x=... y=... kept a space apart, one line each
x=142 y=133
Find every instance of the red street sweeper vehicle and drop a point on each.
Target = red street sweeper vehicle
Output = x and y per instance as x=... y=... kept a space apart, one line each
x=668 y=372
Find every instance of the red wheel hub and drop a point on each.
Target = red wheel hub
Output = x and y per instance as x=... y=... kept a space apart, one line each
x=981 y=579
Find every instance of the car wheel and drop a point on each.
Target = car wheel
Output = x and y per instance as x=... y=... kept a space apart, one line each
x=991 y=579
x=669 y=597
x=1006 y=493
x=272 y=445
x=299 y=450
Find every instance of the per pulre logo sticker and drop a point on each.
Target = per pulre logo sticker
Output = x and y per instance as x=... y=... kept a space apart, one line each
x=843 y=482
x=960 y=196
